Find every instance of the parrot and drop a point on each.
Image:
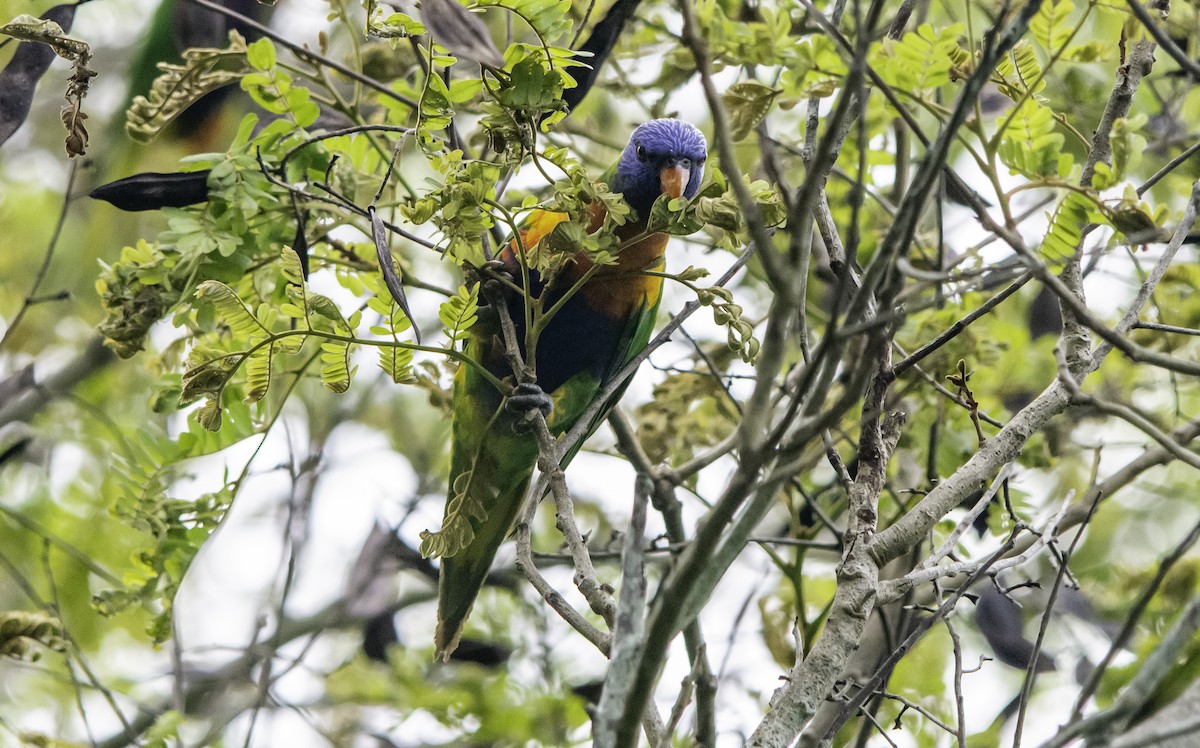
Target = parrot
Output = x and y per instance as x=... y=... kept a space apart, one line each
x=599 y=329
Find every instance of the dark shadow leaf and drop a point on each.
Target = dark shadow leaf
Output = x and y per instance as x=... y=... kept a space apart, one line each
x=460 y=31
x=599 y=44
x=1001 y=623
x=151 y=190
x=20 y=77
x=388 y=266
x=300 y=244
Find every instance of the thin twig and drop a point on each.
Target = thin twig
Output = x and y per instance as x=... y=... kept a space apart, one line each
x=305 y=53
x=1031 y=670
x=948 y=546
x=31 y=298
x=1164 y=40
x=1121 y=640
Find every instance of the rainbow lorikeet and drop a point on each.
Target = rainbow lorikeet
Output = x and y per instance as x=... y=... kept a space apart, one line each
x=587 y=341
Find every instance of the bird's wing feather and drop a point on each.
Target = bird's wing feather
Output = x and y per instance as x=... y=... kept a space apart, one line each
x=634 y=339
x=489 y=472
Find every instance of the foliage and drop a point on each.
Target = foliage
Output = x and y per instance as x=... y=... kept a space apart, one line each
x=48 y=32
x=180 y=86
x=271 y=376
x=23 y=634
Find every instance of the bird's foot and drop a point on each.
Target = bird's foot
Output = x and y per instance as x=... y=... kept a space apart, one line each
x=525 y=399
x=495 y=279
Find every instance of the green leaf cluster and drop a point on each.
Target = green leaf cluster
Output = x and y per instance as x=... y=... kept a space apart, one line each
x=180 y=86
x=689 y=411
x=459 y=313
x=461 y=510
x=716 y=209
x=1050 y=27
x=548 y=19
x=462 y=206
x=815 y=69
x=1066 y=226
x=271 y=86
x=394 y=360
x=1019 y=74
x=393 y=25
x=255 y=337
x=140 y=484
x=920 y=62
x=478 y=704
x=765 y=40
x=526 y=99
x=24 y=634
x=238 y=228
x=1029 y=146
x=136 y=292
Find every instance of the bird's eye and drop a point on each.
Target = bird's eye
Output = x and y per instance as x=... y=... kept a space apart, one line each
x=641 y=153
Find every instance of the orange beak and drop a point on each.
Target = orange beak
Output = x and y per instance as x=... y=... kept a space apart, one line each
x=674 y=179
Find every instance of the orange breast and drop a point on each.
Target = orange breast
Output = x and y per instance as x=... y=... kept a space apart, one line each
x=622 y=289
x=617 y=290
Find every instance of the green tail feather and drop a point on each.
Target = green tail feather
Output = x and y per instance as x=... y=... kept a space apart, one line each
x=490 y=471
x=462 y=575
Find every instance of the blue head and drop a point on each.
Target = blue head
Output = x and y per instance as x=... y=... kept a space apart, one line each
x=664 y=157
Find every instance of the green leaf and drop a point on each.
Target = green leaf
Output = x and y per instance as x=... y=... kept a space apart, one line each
x=212 y=377
x=459 y=313
x=1066 y=227
x=748 y=104
x=396 y=362
x=23 y=635
x=1020 y=72
x=436 y=109
x=1102 y=176
x=1127 y=144
x=668 y=216
x=1095 y=50
x=209 y=415
x=1132 y=217
x=261 y=54
x=291 y=267
x=1049 y=26
x=550 y=19
x=258 y=373
x=395 y=25
x=457 y=532
x=335 y=365
x=920 y=61
x=532 y=89
x=1029 y=145
x=231 y=309
x=815 y=70
x=462 y=91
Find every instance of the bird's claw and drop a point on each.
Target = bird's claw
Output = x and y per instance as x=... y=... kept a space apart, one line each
x=525 y=399
x=495 y=279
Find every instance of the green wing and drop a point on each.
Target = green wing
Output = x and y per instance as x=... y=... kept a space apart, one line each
x=491 y=464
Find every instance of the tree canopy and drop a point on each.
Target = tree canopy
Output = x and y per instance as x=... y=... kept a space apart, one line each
x=908 y=461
